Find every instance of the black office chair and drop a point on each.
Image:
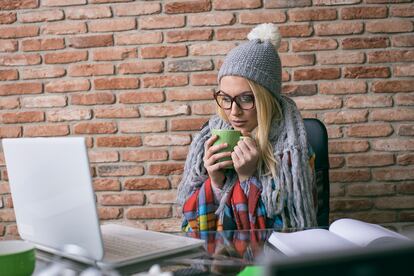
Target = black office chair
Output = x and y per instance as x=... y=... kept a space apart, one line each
x=318 y=139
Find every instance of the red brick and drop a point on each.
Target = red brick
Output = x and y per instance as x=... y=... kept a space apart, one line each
x=190 y=35
x=112 y=25
x=336 y=162
x=91 y=41
x=20 y=88
x=7 y=215
x=393 y=175
x=10 y=132
x=204 y=79
x=8 y=45
x=8 y=74
x=303 y=30
x=116 y=112
x=116 y=83
x=142 y=126
x=402 y=159
x=65 y=57
x=141 y=97
x=94 y=12
x=389 y=26
x=61 y=29
x=346 y=117
x=105 y=184
x=44 y=101
x=296 y=60
x=189 y=65
x=350 y=204
x=119 y=141
x=18 y=4
x=405 y=188
x=161 y=22
x=116 y=53
x=166 y=168
x=162 y=197
x=149 y=212
x=216 y=19
x=390 y=56
x=49 y=130
x=363 y=13
x=393 y=144
x=287 y=3
x=186 y=94
x=406 y=130
x=9 y=103
x=314 y=44
x=295 y=90
x=404 y=99
x=165 y=81
x=106 y=213
x=262 y=17
x=20 y=59
x=334 y=132
x=93 y=98
x=312 y=14
x=179 y=153
x=342 y=28
x=61 y=86
x=187 y=124
x=340 y=58
x=22 y=117
x=393 y=86
x=108 y=1
x=318 y=102
x=234 y=5
x=167 y=140
x=203 y=109
x=140 y=67
x=370 y=160
x=211 y=49
x=376 y=189
x=8 y=17
x=103 y=156
x=164 y=225
x=367 y=72
x=126 y=170
x=144 y=155
x=19 y=31
x=406 y=70
x=95 y=128
x=335 y=2
x=55 y=3
x=41 y=16
x=164 y=110
x=403 y=41
x=163 y=51
x=83 y=70
x=316 y=74
x=187 y=6
x=136 y=9
x=147 y=184
x=348 y=146
x=122 y=199
x=362 y=101
x=365 y=43
x=343 y=87
x=402 y=11
x=354 y=175
x=138 y=38
x=68 y=115
x=43 y=72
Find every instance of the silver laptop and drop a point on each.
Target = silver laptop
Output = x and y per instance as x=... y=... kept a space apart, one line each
x=55 y=207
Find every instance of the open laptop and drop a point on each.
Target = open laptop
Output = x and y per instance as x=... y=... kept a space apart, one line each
x=55 y=207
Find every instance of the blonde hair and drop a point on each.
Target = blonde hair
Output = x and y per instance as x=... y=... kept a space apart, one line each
x=268 y=109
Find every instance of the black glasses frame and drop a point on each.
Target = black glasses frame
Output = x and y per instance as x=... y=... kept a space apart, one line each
x=233 y=99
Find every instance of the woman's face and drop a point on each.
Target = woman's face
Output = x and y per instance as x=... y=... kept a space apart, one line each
x=241 y=119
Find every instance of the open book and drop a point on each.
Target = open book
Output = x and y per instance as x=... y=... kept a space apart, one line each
x=342 y=234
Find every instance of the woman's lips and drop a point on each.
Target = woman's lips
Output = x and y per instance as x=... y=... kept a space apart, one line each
x=238 y=123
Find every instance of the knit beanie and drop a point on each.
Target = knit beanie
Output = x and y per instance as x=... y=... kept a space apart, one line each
x=257 y=59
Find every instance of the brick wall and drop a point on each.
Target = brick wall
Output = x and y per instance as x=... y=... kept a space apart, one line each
x=136 y=78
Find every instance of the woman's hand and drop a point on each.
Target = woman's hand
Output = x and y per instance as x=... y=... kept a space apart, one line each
x=212 y=164
x=245 y=157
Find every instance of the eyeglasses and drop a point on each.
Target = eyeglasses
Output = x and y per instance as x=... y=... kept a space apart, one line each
x=243 y=101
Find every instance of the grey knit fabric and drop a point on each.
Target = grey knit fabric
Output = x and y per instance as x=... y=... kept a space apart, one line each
x=257 y=61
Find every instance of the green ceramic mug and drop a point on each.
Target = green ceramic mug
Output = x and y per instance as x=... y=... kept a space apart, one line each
x=229 y=136
x=17 y=258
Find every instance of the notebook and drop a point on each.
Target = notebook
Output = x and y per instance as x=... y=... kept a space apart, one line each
x=55 y=207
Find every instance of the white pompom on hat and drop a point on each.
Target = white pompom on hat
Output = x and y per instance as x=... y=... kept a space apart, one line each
x=257 y=59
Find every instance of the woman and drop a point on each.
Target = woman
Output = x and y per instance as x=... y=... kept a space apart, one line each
x=272 y=184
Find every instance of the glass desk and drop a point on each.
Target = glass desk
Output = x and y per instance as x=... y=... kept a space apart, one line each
x=224 y=253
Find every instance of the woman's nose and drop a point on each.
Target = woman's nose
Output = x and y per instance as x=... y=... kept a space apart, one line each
x=235 y=109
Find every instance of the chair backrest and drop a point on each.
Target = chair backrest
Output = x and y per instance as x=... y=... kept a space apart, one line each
x=318 y=139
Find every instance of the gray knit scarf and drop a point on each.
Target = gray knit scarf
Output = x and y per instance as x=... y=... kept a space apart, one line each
x=290 y=196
